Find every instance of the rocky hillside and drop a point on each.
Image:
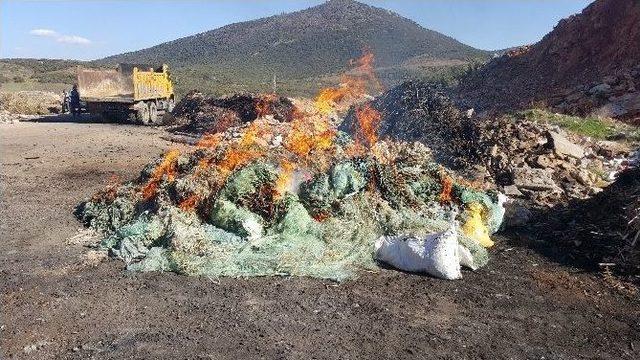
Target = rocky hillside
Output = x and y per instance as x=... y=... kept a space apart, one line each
x=599 y=46
x=312 y=42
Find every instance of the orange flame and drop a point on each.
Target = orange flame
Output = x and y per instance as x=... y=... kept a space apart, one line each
x=307 y=136
x=353 y=85
x=190 y=203
x=166 y=169
x=284 y=178
x=368 y=122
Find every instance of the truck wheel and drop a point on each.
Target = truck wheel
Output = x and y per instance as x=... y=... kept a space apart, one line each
x=142 y=115
x=153 y=114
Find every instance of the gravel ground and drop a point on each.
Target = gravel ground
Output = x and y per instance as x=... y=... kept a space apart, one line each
x=59 y=302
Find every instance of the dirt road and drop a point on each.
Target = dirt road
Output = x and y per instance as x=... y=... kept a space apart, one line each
x=57 y=303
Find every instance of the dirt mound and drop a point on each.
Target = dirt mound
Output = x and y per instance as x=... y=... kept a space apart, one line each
x=31 y=102
x=602 y=41
x=201 y=114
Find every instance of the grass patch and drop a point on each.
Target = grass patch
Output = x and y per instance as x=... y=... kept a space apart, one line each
x=592 y=126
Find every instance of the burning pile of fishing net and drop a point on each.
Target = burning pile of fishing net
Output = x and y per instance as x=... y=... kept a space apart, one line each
x=296 y=197
x=279 y=199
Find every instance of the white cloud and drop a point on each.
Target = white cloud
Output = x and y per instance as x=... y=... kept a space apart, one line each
x=44 y=33
x=73 y=39
x=65 y=39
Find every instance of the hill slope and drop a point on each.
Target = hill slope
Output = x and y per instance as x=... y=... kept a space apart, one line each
x=312 y=42
x=603 y=40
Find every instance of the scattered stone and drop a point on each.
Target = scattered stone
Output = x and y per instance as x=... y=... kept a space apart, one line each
x=611 y=149
x=516 y=215
x=533 y=179
x=544 y=161
x=35 y=346
x=512 y=191
x=562 y=146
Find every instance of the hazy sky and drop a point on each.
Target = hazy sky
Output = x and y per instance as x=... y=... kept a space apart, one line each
x=94 y=29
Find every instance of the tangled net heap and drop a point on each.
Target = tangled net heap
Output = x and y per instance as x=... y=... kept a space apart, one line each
x=284 y=198
x=267 y=203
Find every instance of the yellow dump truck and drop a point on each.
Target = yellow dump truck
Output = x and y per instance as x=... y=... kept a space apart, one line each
x=138 y=92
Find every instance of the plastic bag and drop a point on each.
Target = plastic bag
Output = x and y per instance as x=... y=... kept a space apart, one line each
x=475 y=228
x=437 y=254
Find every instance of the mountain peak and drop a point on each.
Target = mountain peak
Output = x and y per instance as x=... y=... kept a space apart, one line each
x=313 y=42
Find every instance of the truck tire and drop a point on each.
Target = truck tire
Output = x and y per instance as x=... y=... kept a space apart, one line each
x=154 y=119
x=142 y=114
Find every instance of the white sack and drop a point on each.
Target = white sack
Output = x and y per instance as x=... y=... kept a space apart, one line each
x=437 y=254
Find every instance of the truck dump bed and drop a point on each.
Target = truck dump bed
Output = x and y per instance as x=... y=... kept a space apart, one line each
x=105 y=86
x=128 y=83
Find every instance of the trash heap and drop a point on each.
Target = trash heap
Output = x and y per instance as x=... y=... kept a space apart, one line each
x=198 y=114
x=277 y=198
x=535 y=163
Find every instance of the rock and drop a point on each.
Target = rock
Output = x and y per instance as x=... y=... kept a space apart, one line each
x=584 y=177
x=516 y=215
x=562 y=146
x=512 y=191
x=630 y=101
x=469 y=113
x=601 y=89
x=617 y=137
x=611 y=149
x=533 y=179
x=611 y=109
x=543 y=161
x=35 y=346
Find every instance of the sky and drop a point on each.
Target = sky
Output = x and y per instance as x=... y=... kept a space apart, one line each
x=86 y=30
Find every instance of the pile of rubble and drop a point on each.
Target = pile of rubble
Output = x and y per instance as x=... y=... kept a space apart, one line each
x=542 y=164
x=539 y=164
x=198 y=114
x=6 y=117
x=616 y=96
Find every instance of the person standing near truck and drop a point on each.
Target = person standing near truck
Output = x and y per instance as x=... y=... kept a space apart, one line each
x=65 y=101
x=74 y=101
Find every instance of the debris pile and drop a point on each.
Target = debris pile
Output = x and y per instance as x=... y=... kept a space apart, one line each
x=31 y=102
x=200 y=114
x=416 y=111
x=6 y=117
x=537 y=163
x=542 y=163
